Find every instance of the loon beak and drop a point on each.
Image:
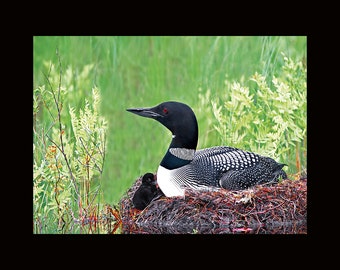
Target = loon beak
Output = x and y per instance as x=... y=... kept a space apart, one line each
x=145 y=112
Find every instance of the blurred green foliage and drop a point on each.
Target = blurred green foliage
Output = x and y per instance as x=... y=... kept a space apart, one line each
x=69 y=147
x=269 y=120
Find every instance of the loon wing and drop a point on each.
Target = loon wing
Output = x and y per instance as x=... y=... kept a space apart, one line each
x=234 y=169
x=224 y=158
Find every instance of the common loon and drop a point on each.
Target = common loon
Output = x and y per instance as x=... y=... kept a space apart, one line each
x=183 y=167
x=147 y=192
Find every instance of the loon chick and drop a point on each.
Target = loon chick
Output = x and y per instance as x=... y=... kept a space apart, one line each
x=147 y=192
x=183 y=167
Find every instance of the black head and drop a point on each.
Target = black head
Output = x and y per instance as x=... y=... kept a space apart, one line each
x=178 y=117
x=149 y=179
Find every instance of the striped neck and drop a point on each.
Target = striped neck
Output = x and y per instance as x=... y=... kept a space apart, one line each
x=177 y=157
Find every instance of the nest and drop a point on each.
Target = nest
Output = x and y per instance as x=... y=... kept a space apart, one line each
x=276 y=209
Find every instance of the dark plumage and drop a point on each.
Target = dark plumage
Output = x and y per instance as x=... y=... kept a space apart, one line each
x=147 y=192
x=183 y=167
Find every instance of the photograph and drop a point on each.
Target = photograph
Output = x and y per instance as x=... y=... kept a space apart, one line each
x=169 y=135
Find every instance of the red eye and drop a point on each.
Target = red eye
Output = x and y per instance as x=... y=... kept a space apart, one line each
x=165 y=110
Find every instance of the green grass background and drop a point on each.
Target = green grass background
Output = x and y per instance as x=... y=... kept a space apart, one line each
x=137 y=71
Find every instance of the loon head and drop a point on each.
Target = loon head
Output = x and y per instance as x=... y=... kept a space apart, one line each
x=178 y=118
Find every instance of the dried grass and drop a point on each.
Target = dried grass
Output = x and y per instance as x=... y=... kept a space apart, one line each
x=277 y=209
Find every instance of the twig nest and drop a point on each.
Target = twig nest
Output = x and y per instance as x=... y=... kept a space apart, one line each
x=276 y=209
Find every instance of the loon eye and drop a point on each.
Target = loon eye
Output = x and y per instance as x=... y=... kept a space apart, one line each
x=165 y=110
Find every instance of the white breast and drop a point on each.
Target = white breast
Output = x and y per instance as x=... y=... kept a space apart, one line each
x=166 y=183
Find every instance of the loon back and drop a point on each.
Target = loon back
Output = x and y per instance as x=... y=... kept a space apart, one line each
x=220 y=167
x=236 y=169
x=216 y=167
